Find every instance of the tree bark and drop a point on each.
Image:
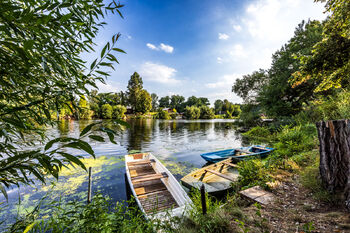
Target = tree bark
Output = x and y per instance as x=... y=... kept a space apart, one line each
x=334 y=137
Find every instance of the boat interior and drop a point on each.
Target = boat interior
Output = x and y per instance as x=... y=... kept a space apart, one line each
x=215 y=177
x=151 y=191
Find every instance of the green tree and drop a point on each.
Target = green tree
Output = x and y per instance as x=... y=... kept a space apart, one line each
x=206 y=113
x=144 y=102
x=84 y=108
x=164 y=102
x=135 y=86
x=107 y=111
x=154 y=102
x=94 y=104
x=202 y=101
x=41 y=70
x=177 y=102
x=249 y=86
x=192 y=101
x=277 y=97
x=118 y=111
x=218 y=104
x=328 y=66
x=192 y=112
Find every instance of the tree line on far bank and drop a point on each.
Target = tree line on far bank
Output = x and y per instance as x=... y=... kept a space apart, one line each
x=139 y=102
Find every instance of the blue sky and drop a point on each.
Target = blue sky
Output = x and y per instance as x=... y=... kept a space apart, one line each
x=199 y=47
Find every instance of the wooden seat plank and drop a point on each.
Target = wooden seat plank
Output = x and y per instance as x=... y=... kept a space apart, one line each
x=221 y=175
x=231 y=164
x=141 y=162
x=150 y=189
x=141 y=172
x=149 y=177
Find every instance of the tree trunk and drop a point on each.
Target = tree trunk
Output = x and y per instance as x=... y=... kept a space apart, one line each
x=334 y=137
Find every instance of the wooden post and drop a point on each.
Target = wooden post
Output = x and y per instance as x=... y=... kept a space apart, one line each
x=90 y=186
x=204 y=202
x=334 y=137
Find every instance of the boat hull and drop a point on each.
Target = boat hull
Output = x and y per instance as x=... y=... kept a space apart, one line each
x=256 y=151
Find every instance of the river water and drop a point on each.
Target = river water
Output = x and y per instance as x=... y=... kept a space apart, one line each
x=177 y=143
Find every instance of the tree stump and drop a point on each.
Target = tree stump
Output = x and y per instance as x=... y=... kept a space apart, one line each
x=334 y=137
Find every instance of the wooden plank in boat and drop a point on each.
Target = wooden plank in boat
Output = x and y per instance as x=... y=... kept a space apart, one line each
x=138 y=156
x=157 y=201
x=231 y=164
x=141 y=162
x=149 y=177
x=150 y=188
x=221 y=175
x=141 y=171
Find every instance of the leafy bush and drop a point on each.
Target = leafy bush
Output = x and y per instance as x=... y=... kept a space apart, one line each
x=163 y=115
x=192 y=112
x=119 y=111
x=328 y=108
x=107 y=111
x=98 y=216
x=252 y=173
x=173 y=115
x=216 y=219
x=206 y=113
x=293 y=140
x=258 y=133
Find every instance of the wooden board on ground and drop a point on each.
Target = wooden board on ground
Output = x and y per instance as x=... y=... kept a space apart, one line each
x=257 y=194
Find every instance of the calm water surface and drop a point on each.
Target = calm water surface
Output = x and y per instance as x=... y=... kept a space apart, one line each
x=177 y=143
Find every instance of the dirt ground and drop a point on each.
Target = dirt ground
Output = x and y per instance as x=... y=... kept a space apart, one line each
x=295 y=210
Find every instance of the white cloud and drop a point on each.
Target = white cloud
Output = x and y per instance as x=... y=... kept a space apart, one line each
x=237 y=28
x=264 y=26
x=158 y=73
x=166 y=48
x=275 y=20
x=152 y=46
x=219 y=60
x=223 y=36
x=238 y=51
x=163 y=47
x=224 y=82
x=110 y=86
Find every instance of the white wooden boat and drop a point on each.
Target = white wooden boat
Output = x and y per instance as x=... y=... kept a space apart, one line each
x=216 y=178
x=155 y=189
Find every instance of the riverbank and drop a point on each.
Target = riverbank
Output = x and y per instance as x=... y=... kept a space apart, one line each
x=290 y=173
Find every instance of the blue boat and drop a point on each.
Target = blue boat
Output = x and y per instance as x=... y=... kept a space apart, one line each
x=238 y=154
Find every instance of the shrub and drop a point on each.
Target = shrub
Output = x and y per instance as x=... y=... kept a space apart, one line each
x=192 y=112
x=173 y=115
x=119 y=111
x=106 y=111
x=258 y=133
x=252 y=173
x=163 y=115
x=98 y=216
x=293 y=140
x=206 y=113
